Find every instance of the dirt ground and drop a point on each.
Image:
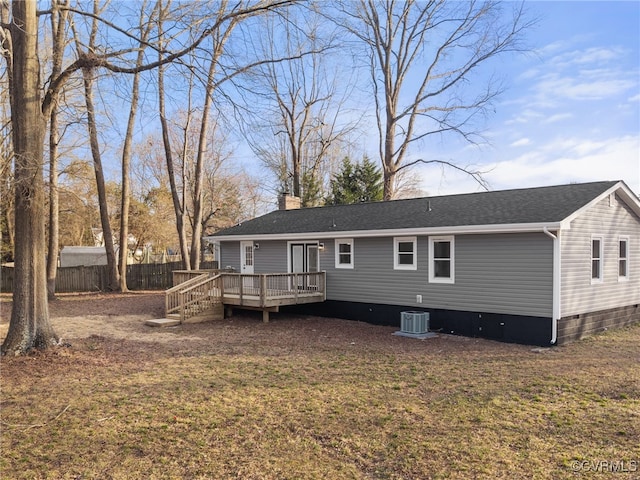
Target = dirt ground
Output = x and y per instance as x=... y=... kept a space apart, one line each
x=308 y=397
x=115 y=319
x=79 y=315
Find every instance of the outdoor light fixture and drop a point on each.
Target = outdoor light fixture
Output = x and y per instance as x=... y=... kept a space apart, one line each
x=256 y=246
x=321 y=247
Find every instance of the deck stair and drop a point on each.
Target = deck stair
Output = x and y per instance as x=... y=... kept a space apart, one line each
x=203 y=295
x=195 y=300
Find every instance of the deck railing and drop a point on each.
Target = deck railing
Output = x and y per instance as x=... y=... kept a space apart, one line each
x=181 y=276
x=273 y=285
x=173 y=298
x=201 y=290
x=194 y=296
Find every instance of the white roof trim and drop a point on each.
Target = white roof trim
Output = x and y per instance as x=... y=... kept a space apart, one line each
x=621 y=189
x=462 y=229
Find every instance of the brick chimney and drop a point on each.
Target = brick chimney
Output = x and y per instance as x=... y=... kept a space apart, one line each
x=288 y=202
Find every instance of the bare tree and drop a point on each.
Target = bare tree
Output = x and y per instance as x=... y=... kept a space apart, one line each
x=304 y=100
x=88 y=76
x=179 y=200
x=126 y=155
x=29 y=326
x=58 y=24
x=422 y=56
x=78 y=204
x=7 y=192
x=209 y=73
x=150 y=187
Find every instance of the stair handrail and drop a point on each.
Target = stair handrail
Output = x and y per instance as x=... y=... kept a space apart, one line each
x=185 y=301
x=187 y=283
x=174 y=293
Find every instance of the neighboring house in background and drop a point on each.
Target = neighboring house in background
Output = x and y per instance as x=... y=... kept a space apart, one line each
x=82 y=256
x=539 y=266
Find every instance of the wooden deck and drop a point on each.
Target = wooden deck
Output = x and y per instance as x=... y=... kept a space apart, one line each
x=199 y=294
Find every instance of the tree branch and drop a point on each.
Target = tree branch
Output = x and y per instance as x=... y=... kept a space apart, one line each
x=90 y=60
x=477 y=175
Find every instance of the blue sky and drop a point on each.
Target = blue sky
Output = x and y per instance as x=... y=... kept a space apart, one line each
x=571 y=111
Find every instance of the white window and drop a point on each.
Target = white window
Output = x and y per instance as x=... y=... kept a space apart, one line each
x=405 y=253
x=441 y=260
x=344 y=253
x=596 y=258
x=623 y=258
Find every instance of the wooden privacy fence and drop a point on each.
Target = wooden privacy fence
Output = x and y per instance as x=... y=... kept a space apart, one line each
x=151 y=276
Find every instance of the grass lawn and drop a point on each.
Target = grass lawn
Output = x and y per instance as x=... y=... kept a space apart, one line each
x=307 y=398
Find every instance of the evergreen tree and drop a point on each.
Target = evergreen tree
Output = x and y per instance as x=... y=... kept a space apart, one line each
x=370 y=182
x=357 y=183
x=311 y=189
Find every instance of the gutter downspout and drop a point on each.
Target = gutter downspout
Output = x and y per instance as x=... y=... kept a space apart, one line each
x=556 y=284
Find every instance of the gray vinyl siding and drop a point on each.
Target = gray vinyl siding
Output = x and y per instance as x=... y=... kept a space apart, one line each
x=230 y=255
x=271 y=257
x=578 y=295
x=507 y=273
x=498 y=273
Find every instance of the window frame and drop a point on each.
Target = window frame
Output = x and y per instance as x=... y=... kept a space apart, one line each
x=432 y=277
x=344 y=241
x=627 y=242
x=396 y=253
x=600 y=259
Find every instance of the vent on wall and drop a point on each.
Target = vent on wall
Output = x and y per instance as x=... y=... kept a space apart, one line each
x=414 y=322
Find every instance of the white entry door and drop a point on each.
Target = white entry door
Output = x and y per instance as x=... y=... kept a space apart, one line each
x=246 y=257
x=247 y=261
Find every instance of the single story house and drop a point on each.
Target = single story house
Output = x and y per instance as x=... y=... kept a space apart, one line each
x=539 y=266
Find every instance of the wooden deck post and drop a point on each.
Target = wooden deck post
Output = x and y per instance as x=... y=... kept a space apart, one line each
x=265 y=315
x=323 y=280
x=263 y=292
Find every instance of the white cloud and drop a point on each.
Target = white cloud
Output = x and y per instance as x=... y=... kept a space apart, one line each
x=581 y=74
x=558 y=162
x=521 y=142
x=558 y=117
x=585 y=85
x=525 y=116
x=593 y=55
x=572 y=160
x=564 y=44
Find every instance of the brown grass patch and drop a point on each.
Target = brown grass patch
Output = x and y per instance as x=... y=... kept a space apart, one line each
x=314 y=398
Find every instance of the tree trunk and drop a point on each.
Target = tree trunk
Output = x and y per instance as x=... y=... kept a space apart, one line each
x=126 y=181
x=199 y=170
x=107 y=235
x=389 y=168
x=125 y=201
x=54 y=207
x=30 y=326
x=58 y=23
x=178 y=206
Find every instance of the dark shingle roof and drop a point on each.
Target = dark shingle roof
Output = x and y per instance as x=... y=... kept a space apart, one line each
x=522 y=206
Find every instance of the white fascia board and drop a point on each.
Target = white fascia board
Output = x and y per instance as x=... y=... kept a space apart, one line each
x=629 y=198
x=623 y=192
x=459 y=230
